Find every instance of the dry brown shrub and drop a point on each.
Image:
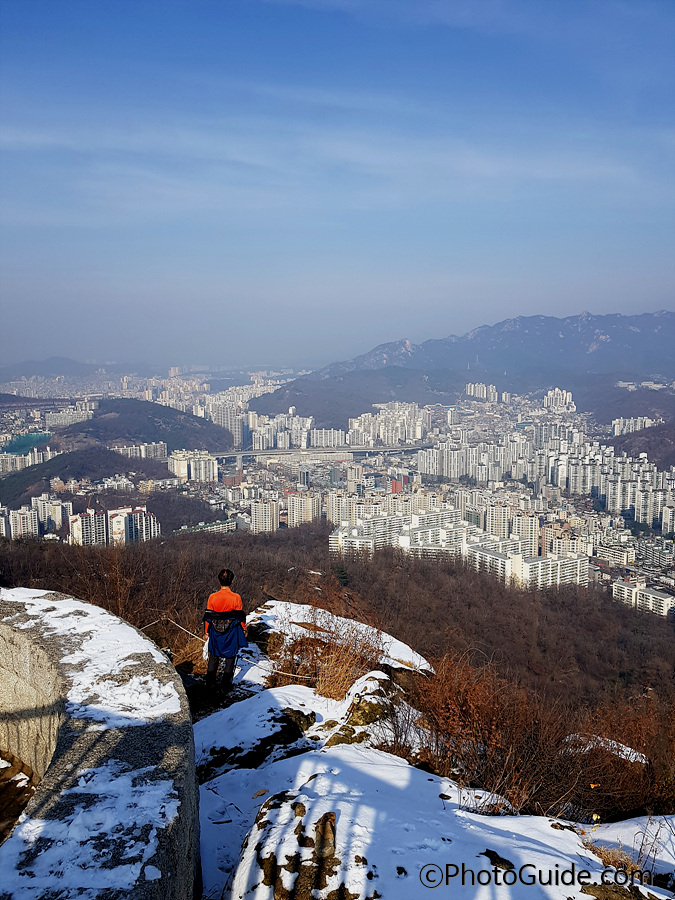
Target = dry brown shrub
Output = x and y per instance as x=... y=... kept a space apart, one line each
x=541 y=757
x=330 y=658
x=488 y=733
x=630 y=758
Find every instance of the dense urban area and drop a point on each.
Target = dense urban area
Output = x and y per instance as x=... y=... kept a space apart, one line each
x=523 y=487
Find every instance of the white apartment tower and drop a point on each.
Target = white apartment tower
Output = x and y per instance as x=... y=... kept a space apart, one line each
x=203 y=467
x=88 y=528
x=497 y=520
x=116 y=527
x=194 y=465
x=51 y=511
x=635 y=593
x=526 y=529
x=303 y=508
x=264 y=516
x=23 y=523
x=668 y=519
x=141 y=526
x=550 y=571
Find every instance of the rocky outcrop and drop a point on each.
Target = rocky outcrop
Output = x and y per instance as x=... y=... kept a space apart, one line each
x=94 y=708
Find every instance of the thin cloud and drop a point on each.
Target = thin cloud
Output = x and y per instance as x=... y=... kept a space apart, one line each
x=257 y=163
x=626 y=40
x=551 y=19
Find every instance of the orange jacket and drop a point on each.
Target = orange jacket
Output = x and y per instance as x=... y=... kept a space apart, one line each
x=224 y=600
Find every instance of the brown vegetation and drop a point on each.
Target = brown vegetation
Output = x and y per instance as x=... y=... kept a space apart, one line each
x=576 y=644
x=543 y=757
x=530 y=690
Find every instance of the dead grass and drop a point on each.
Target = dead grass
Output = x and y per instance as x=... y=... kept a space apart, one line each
x=615 y=857
x=329 y=659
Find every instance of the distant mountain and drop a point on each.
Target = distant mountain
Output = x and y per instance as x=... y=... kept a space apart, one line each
x=136 y=421
x=600 y=396
x=637 y=346
x=587 y=353
x=55 y=365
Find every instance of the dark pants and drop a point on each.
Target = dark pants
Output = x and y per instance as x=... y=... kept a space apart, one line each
x=226 y=670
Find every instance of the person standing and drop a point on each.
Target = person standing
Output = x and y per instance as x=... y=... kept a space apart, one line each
x=225 y=625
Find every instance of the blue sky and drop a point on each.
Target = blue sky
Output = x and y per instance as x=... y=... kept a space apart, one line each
x=295 y=181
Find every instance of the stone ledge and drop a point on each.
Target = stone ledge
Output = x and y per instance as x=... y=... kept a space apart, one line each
x=99 y=713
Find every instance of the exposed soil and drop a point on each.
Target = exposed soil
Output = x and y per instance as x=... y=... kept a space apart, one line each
x=17 y=786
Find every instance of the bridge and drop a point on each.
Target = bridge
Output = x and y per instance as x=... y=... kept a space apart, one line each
x=337 y=452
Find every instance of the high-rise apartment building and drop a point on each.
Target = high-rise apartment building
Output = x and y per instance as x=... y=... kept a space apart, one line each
x=549 y=571
x=116 y=527
x=23 y=523
x=526 y=528
x=203 y=467
x=627 y=426
x=264 y=516
x=634 y=592
x=497 y=518
x=559 y=399
x=194 y=465
x=88 y=528
x=233 y=417
x=81 y=412
x=51 y=511
x=141 y=526
x=326 y=437
x=668 y=519
x=154 y=450
x=303 y=508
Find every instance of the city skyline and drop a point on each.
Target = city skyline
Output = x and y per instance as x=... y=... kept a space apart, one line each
x=301 y=181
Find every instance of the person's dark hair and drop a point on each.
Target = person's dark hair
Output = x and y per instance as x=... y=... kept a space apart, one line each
x=226 y=577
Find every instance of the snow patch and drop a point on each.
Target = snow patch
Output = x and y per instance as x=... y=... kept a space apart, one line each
x=107 y=647
x=76 y=856
x=583 y=744
x=295 y=619
x=393 y=822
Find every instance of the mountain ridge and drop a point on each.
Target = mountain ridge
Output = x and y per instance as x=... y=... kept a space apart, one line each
x=648 y=337
x=525 y=354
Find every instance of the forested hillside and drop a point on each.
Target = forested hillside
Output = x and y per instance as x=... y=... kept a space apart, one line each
x=657 y=442
x=574 y=644
x=136 y=421
x=93 y=463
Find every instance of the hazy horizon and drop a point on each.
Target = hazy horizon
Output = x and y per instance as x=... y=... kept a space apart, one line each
x=195 y=366
x=298 y=181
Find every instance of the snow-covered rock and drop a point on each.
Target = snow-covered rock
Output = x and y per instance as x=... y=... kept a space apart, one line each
x=296 y=620
x=98 y=712
x=329 y=815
